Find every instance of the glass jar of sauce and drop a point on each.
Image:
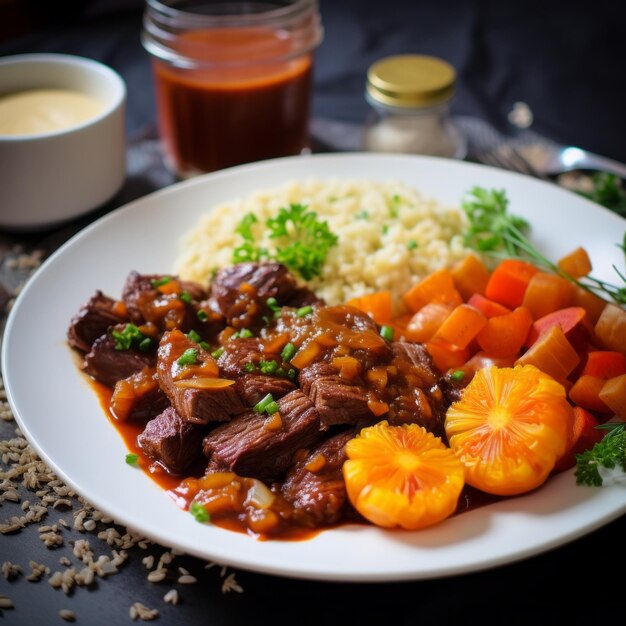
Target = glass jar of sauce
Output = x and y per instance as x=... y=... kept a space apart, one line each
x=410 y=96
x=232 y=79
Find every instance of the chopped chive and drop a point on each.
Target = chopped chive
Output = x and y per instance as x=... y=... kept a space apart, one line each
x=411 y=244
x=185 y=296
x=194 y=336
x=158 y=282
x=199 y=512
x=272 y=408
x=272 y=304
x=128 y=337
x=217 y=353
x=362 y=215
x=188 y=357
x=385 y=229
x=249 y=367
x=266 y=320
x=145 y=344
x=132 y=459
x=204 y=345
x=202 y=315
x=262 y=404
x=386 y=332
x=457 y=375
x=291 y=373
x=288 y=352
x=304 y=310
x=245 y=333
x=268 y=367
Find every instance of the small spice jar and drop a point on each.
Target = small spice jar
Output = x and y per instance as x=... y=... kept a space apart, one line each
x=232 y=79
x=410 y=96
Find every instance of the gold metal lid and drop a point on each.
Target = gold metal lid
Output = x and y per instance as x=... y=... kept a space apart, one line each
x=411 y=80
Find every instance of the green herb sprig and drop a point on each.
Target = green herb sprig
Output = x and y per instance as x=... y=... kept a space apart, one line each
x=607 y=190
x=302 y=240
x=495 y=232
x=608 y=453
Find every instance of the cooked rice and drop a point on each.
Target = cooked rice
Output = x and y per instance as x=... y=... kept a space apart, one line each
x=390 y=235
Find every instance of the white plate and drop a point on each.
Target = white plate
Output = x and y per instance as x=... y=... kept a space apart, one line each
x=60 y=415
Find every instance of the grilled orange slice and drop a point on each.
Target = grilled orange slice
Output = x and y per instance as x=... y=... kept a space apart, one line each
x=402 y=476
x=509 y=428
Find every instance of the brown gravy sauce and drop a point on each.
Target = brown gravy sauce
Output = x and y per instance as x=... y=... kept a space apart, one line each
x=470 y=498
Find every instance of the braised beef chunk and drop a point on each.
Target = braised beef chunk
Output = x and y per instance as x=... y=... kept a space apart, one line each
x=417 y=355
x=453 y=389
x=238 y=355
x=253 y=387
x=253 y=445
x=173 y=442
x=240 y=292
x=316 y=483
x=337 y=400
x=138 y=398
x=165 y=301
x=195 y=401
x=413 y=393
x=92 y=321
x=107 y=364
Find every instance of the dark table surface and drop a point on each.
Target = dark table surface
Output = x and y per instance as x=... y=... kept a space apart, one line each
x=565 y=60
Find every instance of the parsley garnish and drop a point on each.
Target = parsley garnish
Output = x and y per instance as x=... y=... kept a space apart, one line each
x=493 y=231
x=607 y=191
x=608 y=453
x=131 y=337
x=302 y=241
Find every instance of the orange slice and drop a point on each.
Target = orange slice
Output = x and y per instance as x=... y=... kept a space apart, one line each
x=402 y=476
x=509 y=428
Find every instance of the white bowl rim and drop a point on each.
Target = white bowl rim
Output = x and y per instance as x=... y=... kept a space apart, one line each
x=92 y=65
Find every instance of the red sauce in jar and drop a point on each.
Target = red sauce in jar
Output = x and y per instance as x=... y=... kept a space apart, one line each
x=245 y=100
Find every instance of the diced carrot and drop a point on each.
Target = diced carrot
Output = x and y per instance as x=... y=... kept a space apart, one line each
x=547 y=293
x=605 y=364
x=577 y=263
x=585 y=392
x=426 y=322
x=119 y=308
x=613 y=394
x=508 y=282
x=377 y=407
x=611 y=328
x=347 y=366
x=552 y=353
x=470 y=276
x=593 y=304
x=306 y=355
x=447 y=356
x=573 y=322
x=436 y=287
x=480 y=360
x=461 y=326
x=399 y=324
x=487 y=307
x=504 y=335
x=582 y=436
x=377 y=305
x=170 y=287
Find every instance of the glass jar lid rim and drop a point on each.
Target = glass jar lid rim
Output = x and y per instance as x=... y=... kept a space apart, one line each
x=411 y=80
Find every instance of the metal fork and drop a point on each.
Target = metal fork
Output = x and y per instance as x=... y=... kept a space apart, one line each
x=507 y=157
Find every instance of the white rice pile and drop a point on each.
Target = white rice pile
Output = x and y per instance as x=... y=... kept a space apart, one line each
x=389 y=235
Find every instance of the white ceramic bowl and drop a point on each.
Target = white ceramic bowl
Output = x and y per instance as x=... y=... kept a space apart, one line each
x=49 y=178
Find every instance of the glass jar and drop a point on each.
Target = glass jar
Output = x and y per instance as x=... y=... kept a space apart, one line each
x=410 y=96
x=232 y=79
